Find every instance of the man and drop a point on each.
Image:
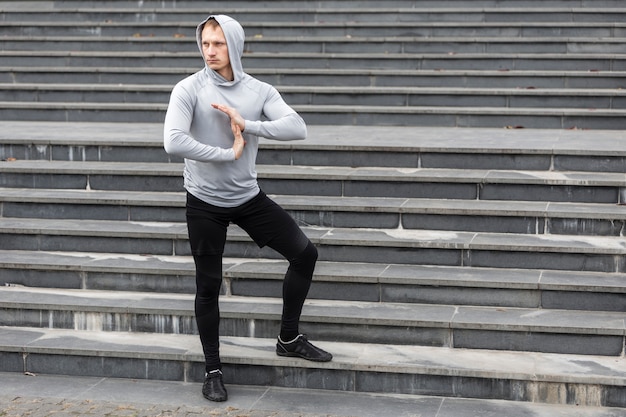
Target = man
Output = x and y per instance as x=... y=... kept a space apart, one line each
x=214 y=120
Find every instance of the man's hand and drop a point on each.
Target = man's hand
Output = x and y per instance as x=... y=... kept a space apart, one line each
x=234 y=115
x=237 y=124
x=239 y=143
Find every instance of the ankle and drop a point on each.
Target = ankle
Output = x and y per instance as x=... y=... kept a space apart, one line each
x=285 y=340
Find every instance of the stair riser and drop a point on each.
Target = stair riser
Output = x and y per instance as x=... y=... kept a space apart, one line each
x=338 y=46
x=474 y=257
x=315 y=61
x=164 y=282
x=104 y=153
x=366 y=79
x=347 y=218
x=191 y=369
x=328 y=157
x=442 y=295
x=432 y=117
x=337 y=188
x=425 y=30
x=357 y=97
x=71 y=278
x=267 y=327
x=316 y=14
x=277 y=5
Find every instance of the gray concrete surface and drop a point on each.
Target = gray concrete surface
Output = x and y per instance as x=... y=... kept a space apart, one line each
x=47 y=396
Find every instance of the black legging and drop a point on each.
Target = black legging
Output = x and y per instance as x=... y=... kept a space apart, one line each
x=268 y=224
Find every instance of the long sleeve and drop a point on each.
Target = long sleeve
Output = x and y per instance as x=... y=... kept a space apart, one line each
x=177 y=139
x=283 y=122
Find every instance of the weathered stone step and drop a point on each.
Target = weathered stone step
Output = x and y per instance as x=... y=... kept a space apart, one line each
x=328 y=77
x=520 y=376
x=369 y=282
x=328 y=45
x=372 y=212
x=255 y=29
x=351 y=146
x=338 y=95
x=102 y=393
x=354 y=12
x=546 y=118
x=305 y=60
x=309 y=4
x=466 y=327
x=415 y=247
x=471 y=184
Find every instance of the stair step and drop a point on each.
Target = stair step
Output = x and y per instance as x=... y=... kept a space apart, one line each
x=589 y=187
x=343 y=321
x=601 y=333
x=418 y=370
x=334 y=95
x=425 y=29
x=373 y=212
x=305 y=60
x=317 y=77
x=163 y=396
x=447 y=248
x=355 y=12
x=547 y=118
x=370 y=282
x=329 y=45
x=495 y=117
x=308 y=5
x=352 y=146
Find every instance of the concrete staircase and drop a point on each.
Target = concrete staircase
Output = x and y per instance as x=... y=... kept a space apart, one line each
x=455 y=259
x=558 y=64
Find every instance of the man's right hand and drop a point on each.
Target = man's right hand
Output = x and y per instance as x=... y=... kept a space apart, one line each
x=239 y=143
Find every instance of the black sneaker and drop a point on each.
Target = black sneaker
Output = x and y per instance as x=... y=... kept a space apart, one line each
x=213 y=388
x=301 y=347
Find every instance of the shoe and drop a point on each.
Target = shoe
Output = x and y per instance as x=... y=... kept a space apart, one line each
x=213 y=388
x=301 y=347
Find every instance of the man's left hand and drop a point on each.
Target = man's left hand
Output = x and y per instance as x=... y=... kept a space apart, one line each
x=234 y=115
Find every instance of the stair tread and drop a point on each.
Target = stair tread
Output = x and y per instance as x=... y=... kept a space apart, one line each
x=304 y=108
x=320 y=38
x=610 y=92
x=348 y=204
x=321 y=311
x=326 y=137
x=326 y=271
x=413 y=238
x=288 y=55
x=391 y=174
x=532 y=366
x=327 y=71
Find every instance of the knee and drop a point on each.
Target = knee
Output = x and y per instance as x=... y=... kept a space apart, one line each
x=306 y=259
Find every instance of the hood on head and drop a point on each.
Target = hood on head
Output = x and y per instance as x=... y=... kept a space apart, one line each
x=235 y=36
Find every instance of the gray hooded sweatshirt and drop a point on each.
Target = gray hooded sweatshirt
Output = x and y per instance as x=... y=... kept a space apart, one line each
x=202 y=135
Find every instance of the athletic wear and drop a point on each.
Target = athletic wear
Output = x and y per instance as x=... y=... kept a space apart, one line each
x=222 y=190
x=202 y=135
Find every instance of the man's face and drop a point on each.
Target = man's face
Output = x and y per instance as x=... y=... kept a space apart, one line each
x=215 y=51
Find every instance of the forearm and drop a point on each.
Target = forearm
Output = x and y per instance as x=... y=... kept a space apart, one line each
x=179 y=143
x=290 y=127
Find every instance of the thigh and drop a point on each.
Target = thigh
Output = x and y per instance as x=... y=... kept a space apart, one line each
x=268 y=224
x=207 y=226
